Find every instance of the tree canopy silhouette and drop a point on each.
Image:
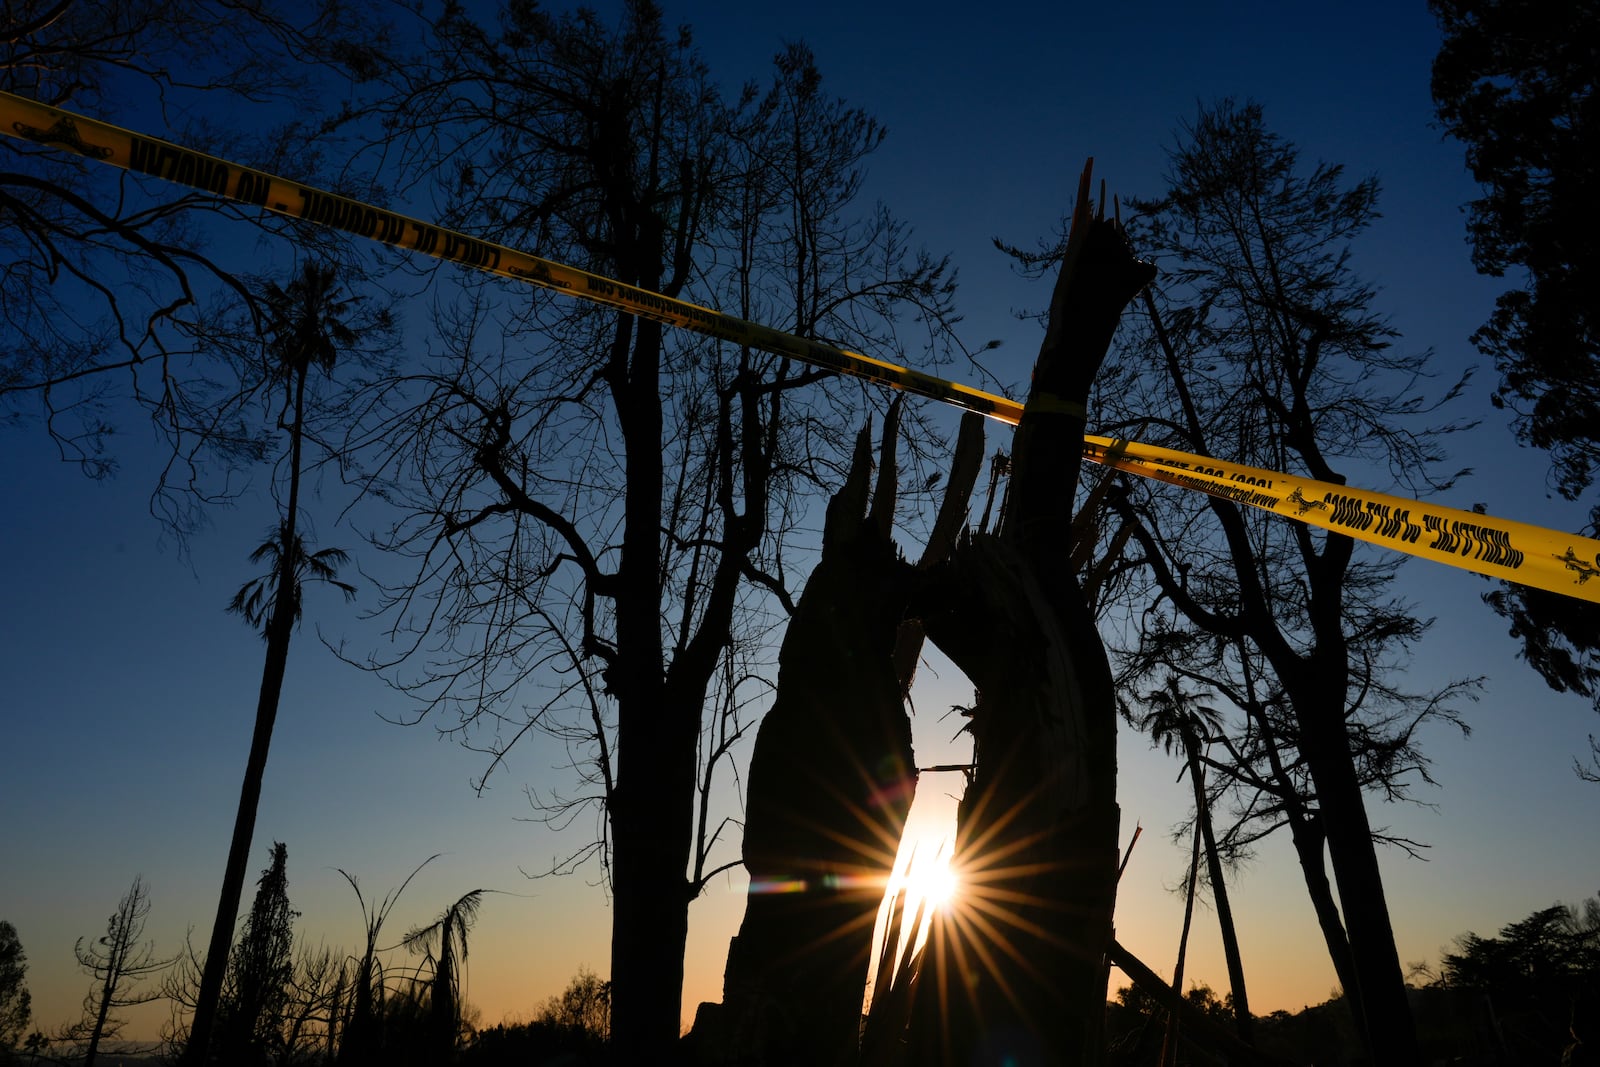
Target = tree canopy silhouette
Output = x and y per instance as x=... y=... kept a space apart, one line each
x=1514 y=81
x=16 y=1003
x=109 y=299
x=1261 y=345
x=600 y=511
x=118 y=962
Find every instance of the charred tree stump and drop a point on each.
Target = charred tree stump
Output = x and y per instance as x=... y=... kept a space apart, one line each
x=1016 y=971
x=831 y=781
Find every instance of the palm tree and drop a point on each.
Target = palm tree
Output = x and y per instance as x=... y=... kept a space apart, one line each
x=305 y=325
x=362 y=1040
x=1176 y=717
x=257 y=598
x=447 y=934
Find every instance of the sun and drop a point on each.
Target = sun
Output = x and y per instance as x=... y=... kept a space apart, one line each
x=922 y=885
x=932 y=881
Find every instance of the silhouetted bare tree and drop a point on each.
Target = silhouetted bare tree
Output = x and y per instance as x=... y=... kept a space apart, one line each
x=104 y=302
x=1263 y=348
x=118 y=962
x=601 y=511
x=584 y=1006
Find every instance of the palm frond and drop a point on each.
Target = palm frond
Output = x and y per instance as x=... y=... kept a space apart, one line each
x=257 y=599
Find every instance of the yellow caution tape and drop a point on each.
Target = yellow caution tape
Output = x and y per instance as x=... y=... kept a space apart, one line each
x=93 y=139
x=1515 y=551
x=1530 y=555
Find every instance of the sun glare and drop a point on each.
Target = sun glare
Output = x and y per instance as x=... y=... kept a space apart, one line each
x=922 y=884
x=926 y=880
x=933 y=882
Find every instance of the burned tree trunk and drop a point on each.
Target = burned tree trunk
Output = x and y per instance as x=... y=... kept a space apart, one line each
x=831 y=781
x=830 y=784
x=1017 y=968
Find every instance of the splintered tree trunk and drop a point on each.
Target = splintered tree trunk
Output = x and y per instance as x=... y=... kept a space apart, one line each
x=1018 y=967
x=831 y=780
x=830 y=784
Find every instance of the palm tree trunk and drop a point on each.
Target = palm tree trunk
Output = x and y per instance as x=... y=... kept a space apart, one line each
x=442 y=1003
x=280 y=628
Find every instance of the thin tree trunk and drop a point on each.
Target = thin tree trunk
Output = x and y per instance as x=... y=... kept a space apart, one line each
x=830 y=785
x=1169 y=1047
x=1305 y=830
x=108 y=989
x=1219 y=892
x=1310 y=845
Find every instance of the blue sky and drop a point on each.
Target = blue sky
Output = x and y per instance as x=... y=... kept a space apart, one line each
x=129 y=695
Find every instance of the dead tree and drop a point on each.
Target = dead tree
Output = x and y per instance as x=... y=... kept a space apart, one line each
x=1017 y=969
x=118 y=962
x=831 y=781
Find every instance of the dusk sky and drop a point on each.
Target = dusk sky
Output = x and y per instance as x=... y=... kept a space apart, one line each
x=128 y=696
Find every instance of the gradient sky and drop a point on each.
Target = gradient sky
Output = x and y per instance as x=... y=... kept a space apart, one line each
x=129 y=695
